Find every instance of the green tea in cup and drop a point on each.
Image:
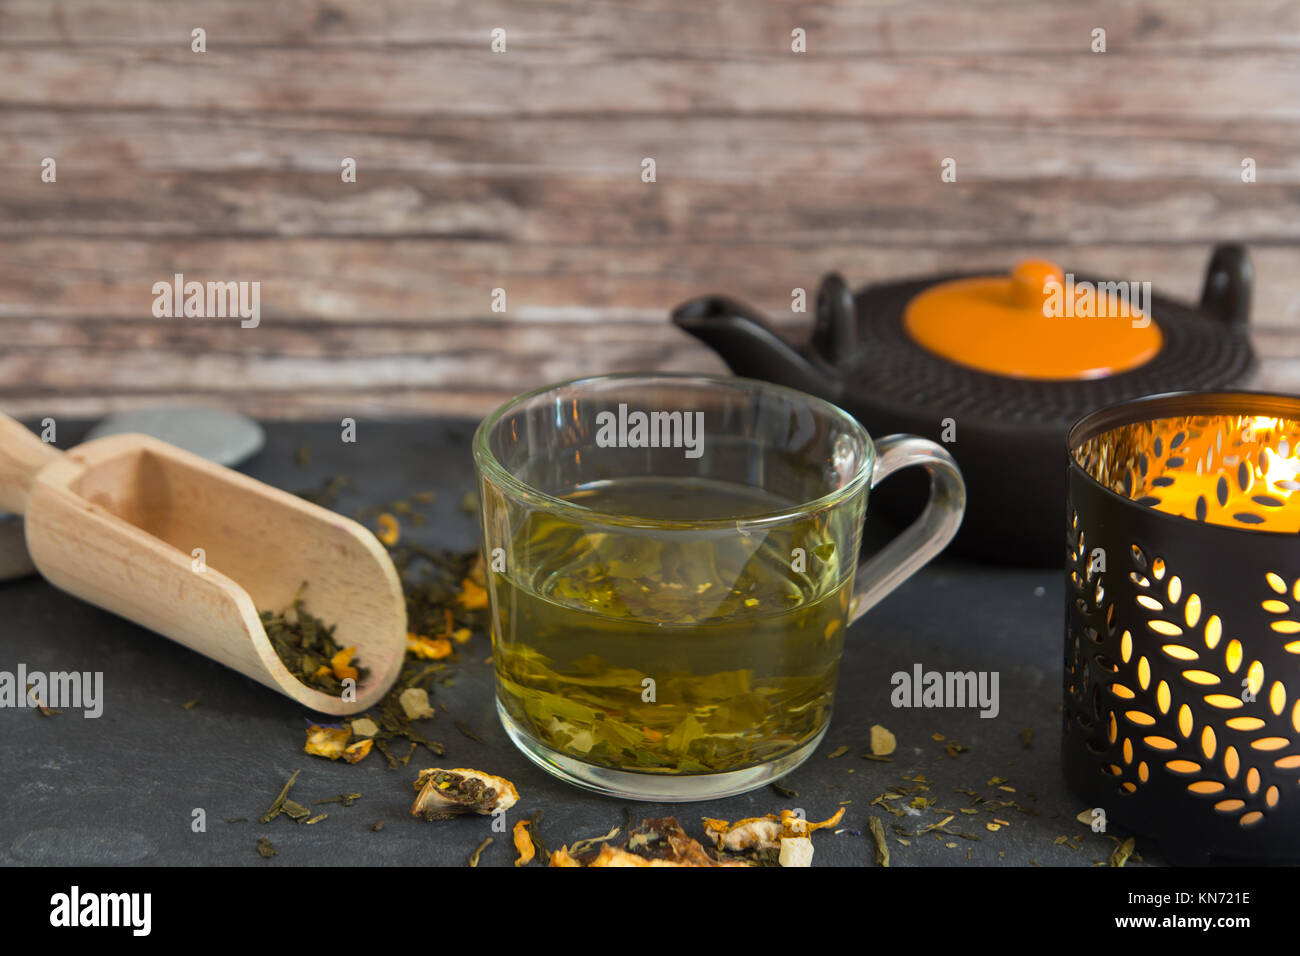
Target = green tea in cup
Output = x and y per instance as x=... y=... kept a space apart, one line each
x=673 y=562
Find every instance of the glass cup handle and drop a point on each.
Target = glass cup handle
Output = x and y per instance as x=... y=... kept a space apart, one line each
x=927 y=535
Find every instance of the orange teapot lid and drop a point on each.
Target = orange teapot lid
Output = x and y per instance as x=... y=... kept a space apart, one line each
x=1036 y=323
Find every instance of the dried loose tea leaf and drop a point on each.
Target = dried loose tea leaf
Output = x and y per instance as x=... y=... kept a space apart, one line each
x=465 y=729
x=582 y=846
x=308 y=648
x=190 y=704
x=1027 y=738
x=328 y=493
x=347 y=799
x=278 y=803
x=478 y=851
x=1122 y=853
x=837 y=752
x=784 y=791
x=878 y=834
x=265 y=847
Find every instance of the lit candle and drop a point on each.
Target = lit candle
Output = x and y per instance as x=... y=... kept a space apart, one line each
x=1241 y=471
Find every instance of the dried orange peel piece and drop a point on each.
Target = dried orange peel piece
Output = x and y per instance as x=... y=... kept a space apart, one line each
x=524 y=844
x=448 y=793
x=341 y=663
x=472 y=597
x=357 y=752
x=429 y=648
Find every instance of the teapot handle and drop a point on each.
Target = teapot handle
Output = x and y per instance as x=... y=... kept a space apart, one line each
x=1228 y=279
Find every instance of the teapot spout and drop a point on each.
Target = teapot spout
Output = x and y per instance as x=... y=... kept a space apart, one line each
x=750 y=347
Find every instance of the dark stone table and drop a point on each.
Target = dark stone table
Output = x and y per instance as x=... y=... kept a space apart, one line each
x=124 y=788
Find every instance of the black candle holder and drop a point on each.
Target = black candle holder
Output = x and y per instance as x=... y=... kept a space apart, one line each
x=1182 y=642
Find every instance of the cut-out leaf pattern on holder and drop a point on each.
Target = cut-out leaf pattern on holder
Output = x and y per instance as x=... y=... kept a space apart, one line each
x=1163 y=684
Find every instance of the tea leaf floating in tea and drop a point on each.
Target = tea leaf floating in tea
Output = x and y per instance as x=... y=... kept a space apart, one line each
x=308 y=649
x=448 y=793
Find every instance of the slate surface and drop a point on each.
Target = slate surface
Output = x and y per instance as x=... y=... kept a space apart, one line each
x=123 y=788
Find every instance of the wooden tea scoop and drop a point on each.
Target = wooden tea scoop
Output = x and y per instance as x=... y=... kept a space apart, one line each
x=117 y=521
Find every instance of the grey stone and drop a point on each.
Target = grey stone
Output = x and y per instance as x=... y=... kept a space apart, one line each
x=227 y=438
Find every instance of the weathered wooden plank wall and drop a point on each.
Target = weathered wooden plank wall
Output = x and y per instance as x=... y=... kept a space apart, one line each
x=521 y=170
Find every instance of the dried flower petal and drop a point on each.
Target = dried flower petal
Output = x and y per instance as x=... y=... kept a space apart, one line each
x=358 y=751
x=472 y=596
x=389 y=531
x=523 y=843
x=428 y=648
x=327 y=742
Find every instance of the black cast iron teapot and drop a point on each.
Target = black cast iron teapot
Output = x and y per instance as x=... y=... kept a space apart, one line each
x=996 y=367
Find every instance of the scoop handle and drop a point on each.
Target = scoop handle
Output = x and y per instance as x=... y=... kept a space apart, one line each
x=22 y=455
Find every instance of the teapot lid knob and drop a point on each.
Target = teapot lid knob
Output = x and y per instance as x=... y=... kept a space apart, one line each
x=1028 y=279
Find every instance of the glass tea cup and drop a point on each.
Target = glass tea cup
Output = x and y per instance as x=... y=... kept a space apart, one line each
x=672 y=563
